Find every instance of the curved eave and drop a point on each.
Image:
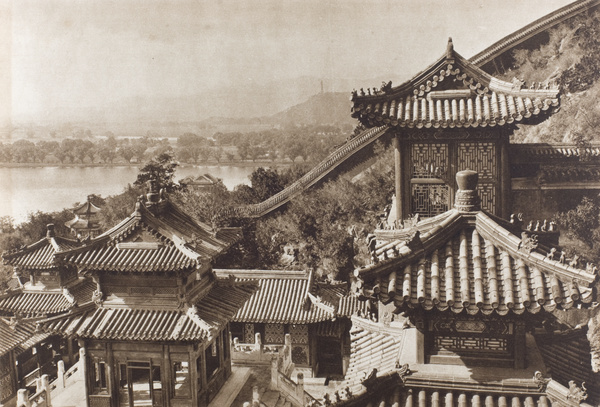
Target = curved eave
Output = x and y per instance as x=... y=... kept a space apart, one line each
x=480 y=101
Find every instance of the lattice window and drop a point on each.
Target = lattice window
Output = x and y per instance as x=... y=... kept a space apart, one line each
x=429 y=199
x=300 y=354
x=480 y=157
x=140 y=290
x=429 y=160
x=248 y=333
x=470 y=343
x=487 y=194
x=274 y=333
x=299 y=333
x=165 y=291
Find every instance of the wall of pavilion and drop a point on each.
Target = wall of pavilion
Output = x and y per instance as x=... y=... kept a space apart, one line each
x=157 y=331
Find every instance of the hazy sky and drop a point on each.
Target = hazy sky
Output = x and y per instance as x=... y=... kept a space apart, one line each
x=61 y=54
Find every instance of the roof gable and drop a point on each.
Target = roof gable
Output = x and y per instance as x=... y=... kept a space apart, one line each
x=160 y=239
x=452 y=92
x=39 y=255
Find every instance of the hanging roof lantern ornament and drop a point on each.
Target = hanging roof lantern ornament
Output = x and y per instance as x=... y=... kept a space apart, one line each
x=467 y=199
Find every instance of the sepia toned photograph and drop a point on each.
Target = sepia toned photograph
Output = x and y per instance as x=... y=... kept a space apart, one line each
x=284 y=203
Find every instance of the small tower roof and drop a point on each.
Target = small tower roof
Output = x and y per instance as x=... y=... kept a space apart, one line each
x=453 y=92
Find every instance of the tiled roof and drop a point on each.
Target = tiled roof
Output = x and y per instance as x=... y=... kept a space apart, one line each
x=131 y=324
x=371 y=347
x=550 y=153
x=35 y=303
x=389 y=391
x=160 y=240
x=86 y=208
x=452 y=93
x=39 y=255
x=471 y=262
x=195 y=323
x=282 y=297
x=567 y=356
x=19 y=337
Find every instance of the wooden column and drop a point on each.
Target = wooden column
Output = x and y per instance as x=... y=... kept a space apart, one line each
x=398 y=179
x=520 y=346
x=166 y=376
x=505 y=187
x=111 y=375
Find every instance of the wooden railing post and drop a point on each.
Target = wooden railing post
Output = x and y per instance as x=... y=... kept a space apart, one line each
x=258 y=342
x=274 y=374
x=300 y=387
x=255 y=396
x=23 y=398
x=60 y=373
x=47 y=390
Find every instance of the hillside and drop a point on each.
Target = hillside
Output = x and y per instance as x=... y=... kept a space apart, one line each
x=571 y=57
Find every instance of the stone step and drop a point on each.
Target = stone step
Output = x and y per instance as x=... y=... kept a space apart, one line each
x=270 y=398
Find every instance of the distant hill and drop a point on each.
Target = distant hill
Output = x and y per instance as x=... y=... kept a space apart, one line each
x=322 y=108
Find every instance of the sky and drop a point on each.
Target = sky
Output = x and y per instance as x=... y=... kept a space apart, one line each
x=67 y=55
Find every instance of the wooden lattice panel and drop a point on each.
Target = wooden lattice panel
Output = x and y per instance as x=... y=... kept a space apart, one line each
x=486 y=191
x=480 y=157
x=429 y=160
x=274 y=333
x=429 y=199
x=248 y=333
x=299 y=333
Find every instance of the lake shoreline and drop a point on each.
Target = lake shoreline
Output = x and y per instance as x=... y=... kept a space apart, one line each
x=110 y=165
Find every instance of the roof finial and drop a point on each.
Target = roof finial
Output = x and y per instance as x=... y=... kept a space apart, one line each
x=449 y=48
x=50 y=230
x=467 y=199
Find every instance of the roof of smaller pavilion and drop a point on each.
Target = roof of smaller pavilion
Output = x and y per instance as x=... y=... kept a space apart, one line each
x=568 y=357
x=86 y=208
x=192 y=322
x=289 y=297
x=40 y=255
x=18 y=335
x=30 y=302
x=452 y=92
x=471 y=261
x=156 y=237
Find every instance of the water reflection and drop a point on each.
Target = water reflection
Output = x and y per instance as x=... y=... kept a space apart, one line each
x=29 y=189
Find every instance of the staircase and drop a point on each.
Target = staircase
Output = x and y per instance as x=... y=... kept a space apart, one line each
x=325 y=167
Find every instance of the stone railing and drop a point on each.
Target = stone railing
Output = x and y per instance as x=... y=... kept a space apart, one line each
x=310 y=178
x=41 y=398
x=64 y=379
x=253 y=354
x=281 y=370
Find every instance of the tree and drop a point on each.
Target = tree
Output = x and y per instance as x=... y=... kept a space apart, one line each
x=118 y=207
x=265 y=182
x=161 y=169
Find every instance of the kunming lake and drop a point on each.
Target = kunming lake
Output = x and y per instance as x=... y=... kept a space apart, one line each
x=31 y=189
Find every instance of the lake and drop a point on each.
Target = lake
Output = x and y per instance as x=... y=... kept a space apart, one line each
x=29 y=189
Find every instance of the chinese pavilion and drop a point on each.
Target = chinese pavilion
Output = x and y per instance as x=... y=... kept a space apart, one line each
x=314 y=314
x=43 y=289
x=465 y=308
x=85 y=224
x=451 y=117
x=157 y=330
